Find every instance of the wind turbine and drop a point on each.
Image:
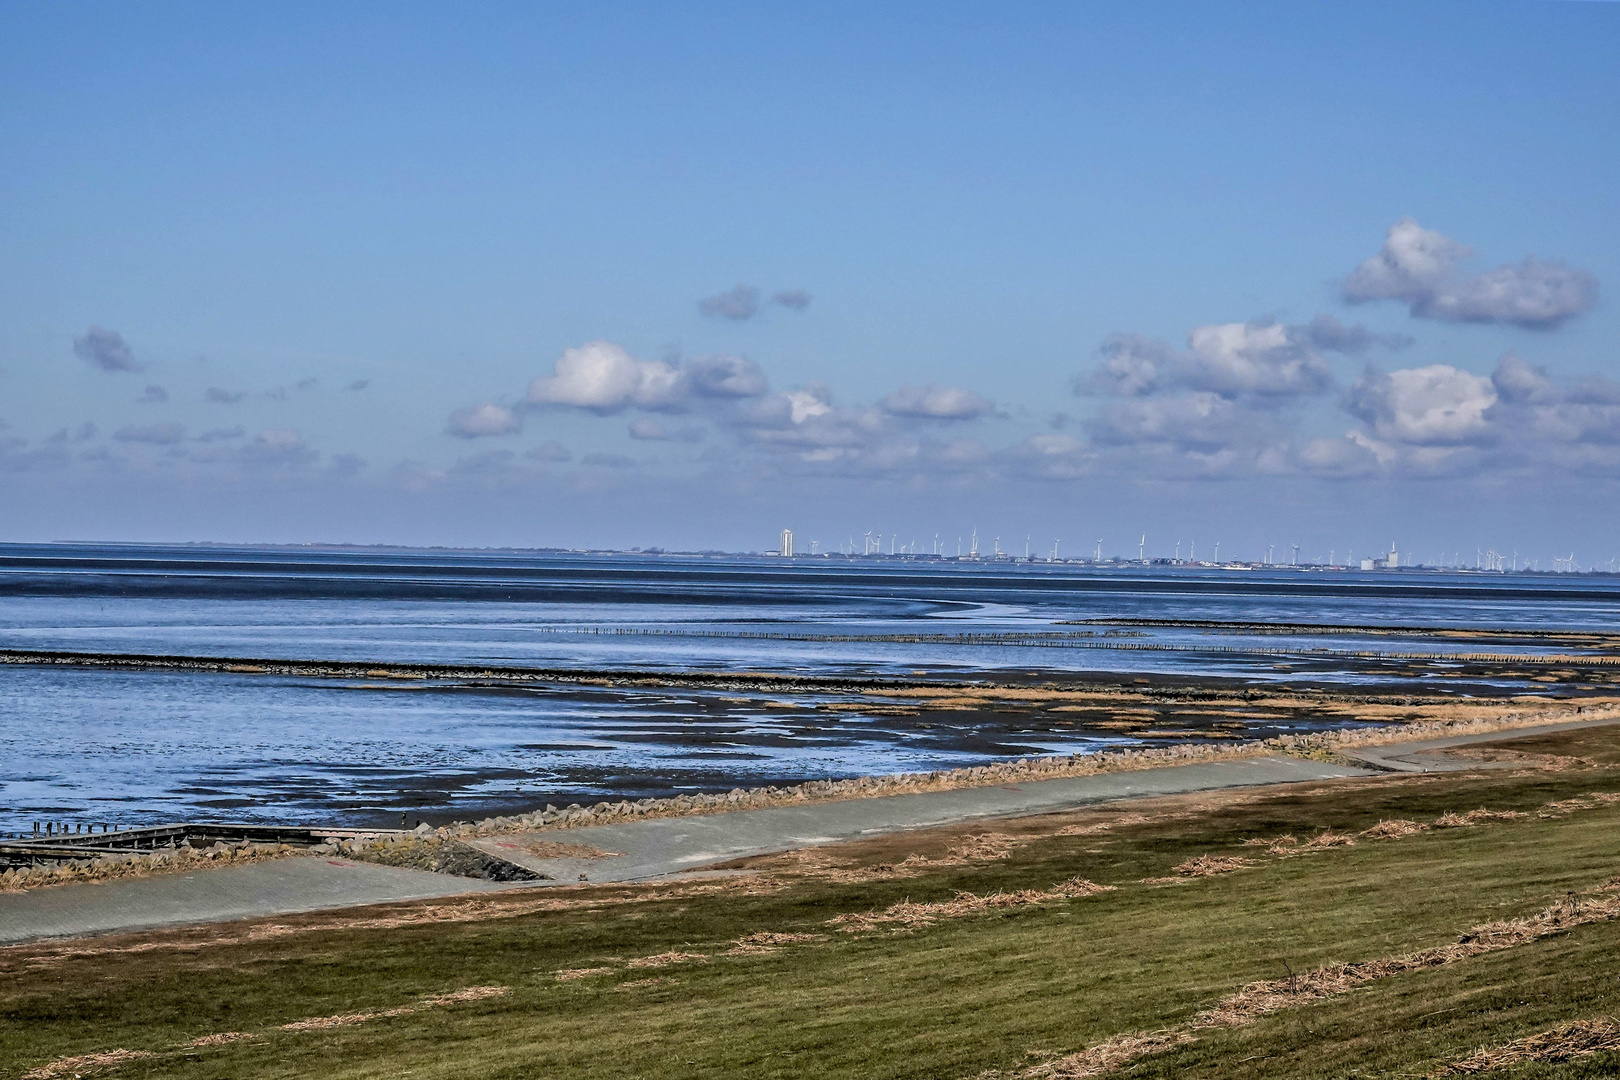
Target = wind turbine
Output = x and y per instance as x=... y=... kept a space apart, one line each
x=1141 y=549
x=1099 y=549
x=1217 y=553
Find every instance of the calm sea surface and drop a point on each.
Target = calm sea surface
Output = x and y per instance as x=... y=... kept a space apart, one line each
x=106 y=745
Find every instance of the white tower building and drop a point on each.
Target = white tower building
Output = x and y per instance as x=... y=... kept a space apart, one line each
x=787 y=543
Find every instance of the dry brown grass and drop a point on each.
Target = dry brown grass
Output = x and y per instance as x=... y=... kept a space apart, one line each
x=1546 y=762
x=567 y=974
x=219 y=1038
x=1102 y=826
x=1258 y=999
x=466 y=993
x=982 y=848
x=1268 y=996
x=1210 y=865
x=1474 y=817
x=1565 y=1042
x=72 y=1066
x=666 y=959
x=767 y=942
x=75 y=1066
x=908 y=915
x=1328 y=839
x=1393 y=830
x=322 y=1023
x=1107 y=1056
x=1590 y=801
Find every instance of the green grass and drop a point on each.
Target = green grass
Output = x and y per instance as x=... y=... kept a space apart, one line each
x=946 y=1001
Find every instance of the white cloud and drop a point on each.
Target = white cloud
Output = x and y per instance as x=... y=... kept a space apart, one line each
x=648 y=429
x=1262 y=360
x=1418 y=267
x=1438 y=419
x=726 y=377
x=935 y=403
x=795 y=299
x=221 y=434
x=1203 y=422
x=738 y=303
x=1533 y=411
x=164 y=434
x=483 y=420
x=1326 y=332
x=550 y=450
x=805 y=420
x=1055 y=457
x=602 y=377
x=1436 y=405
x=277 y=447
x=1254 y=358
x=106 y=349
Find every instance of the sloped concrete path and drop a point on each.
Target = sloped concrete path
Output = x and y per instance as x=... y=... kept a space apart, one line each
x=662 y=846
x=1428 y=755
x=274 y=887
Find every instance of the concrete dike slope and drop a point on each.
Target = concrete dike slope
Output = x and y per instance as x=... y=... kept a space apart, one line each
x=279 y=887
x=644 y=850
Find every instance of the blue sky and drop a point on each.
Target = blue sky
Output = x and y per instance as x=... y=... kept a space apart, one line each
x=1048 y=270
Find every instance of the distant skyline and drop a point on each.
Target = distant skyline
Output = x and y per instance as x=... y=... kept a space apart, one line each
x=622 y=275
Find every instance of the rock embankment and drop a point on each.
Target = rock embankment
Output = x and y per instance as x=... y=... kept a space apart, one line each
x=134 y=864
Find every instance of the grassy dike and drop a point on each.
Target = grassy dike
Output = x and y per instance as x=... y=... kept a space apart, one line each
x=754 y=976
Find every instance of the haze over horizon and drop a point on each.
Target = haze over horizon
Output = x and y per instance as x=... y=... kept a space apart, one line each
x=619 y=275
